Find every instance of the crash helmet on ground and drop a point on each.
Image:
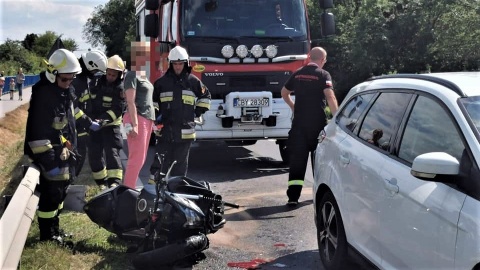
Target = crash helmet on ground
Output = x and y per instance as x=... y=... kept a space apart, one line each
x=178 y=54
x=62 y=61
x=95 y=61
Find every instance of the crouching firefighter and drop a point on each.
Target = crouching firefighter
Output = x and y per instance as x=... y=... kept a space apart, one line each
x=50 y=140
x=181 y=97
x=107 y=104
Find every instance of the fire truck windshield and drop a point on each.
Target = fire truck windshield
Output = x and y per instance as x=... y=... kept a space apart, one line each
x=244 y=18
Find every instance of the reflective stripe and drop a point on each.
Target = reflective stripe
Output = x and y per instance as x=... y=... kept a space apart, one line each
x=115 y=121
x=188 y=133
x=60 y=206
x=93 y=96
x=84 y=98
x=50 y=214
x=166 y=96
x=204 y=103
x=107 y=99
x=78 y=113
x=59 y=124
x=189 y=100
x=82 y=134
x=40 y=146
x=295 y=182
x=115 y=173
x=100 y=175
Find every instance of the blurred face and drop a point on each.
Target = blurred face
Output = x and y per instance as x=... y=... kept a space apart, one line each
x=112 y=75
x=140 y=54
x=178 y=66
x=65 y=79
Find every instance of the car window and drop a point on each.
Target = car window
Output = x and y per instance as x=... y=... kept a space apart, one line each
x=383 y=119
x=348 y=117
x=472 y=107
x=429 y=129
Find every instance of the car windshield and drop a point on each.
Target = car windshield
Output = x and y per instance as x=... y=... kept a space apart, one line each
x=244 y=18
x=472 y=106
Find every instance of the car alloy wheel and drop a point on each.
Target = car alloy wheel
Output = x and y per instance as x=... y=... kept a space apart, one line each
x=332 y=243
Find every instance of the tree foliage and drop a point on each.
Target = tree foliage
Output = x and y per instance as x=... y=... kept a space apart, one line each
x=112 y=25
x=377 y=37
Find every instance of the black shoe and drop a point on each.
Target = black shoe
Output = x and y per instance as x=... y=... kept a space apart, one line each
x=292 y=203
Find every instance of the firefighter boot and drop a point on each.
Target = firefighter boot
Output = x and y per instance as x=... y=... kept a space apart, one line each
x=102 y=183
x=113 y=182
x=46 y=228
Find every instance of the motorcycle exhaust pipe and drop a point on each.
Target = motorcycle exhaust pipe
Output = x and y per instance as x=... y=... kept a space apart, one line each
x=171 y=253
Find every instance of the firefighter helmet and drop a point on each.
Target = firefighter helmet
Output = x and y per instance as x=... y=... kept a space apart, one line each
x=116 y=63
x=95 y=60
x=178 y=54
x=62 y=61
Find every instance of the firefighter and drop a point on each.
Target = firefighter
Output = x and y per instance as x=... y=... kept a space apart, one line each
x=106 y=112
x=312 y=85
x=92 y=62
x=50 y=138
x=181 y=97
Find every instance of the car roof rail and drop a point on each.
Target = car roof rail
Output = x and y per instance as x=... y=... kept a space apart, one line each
x=448 y=84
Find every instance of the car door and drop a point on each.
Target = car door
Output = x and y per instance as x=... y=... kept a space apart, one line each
x=360 y=162
x=418 y=219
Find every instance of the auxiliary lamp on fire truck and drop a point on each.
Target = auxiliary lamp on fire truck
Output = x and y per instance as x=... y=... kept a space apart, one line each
x=242 y=51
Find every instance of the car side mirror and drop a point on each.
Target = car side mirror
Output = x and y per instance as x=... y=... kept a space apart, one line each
x=435 y=166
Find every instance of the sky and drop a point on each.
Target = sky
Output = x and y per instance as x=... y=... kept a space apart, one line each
x=21 y=17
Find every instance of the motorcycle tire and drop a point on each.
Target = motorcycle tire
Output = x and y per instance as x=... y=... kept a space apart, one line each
x=172 y=253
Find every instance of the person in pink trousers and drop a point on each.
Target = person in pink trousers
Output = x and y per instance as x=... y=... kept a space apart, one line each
x=140 y=115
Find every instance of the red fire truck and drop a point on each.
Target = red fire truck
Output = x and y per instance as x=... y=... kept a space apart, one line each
x=242 y=50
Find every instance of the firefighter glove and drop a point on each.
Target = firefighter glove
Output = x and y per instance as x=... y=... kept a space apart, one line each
x=54 y=171
x=95 y=126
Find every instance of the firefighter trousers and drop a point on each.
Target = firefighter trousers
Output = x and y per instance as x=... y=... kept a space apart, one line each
x=172 y=151
x=52 y=195
x=104 y=148
x=300 y=143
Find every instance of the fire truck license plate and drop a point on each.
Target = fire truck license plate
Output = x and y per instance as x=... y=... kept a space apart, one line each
x=251 y=102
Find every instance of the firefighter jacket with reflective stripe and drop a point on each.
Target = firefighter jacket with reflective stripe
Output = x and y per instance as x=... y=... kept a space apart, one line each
x=80 y=104
x=50 y=126
x=107 y=102
x=181 y=98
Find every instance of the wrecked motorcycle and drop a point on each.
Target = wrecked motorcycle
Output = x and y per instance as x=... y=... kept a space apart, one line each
x=168 y=221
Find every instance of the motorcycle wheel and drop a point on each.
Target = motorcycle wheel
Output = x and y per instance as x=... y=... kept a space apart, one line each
x=172 y=253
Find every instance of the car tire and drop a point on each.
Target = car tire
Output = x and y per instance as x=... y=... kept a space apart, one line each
x=332 y=242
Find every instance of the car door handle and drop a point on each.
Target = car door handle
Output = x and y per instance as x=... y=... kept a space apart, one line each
x=344 y=158
x=390 y=186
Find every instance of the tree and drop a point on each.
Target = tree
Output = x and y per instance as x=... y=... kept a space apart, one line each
x=113 y=26
x=29 y=41
x=13 y=56
x=44 y=42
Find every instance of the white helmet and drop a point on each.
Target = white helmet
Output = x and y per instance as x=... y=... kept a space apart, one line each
x=178 y=54
x=116 y=63
x=95 y=60
x=62 y=61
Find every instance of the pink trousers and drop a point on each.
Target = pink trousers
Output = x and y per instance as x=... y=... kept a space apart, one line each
x=137 y=149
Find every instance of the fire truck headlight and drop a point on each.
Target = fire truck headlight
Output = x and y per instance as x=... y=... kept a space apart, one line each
x=242 y=51
x=257 y=51
x=271 y=51
x=227 y=51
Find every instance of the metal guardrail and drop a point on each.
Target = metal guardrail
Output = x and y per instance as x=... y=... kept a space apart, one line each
x=17 y=219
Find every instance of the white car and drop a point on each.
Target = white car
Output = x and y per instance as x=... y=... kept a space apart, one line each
x=397 y=176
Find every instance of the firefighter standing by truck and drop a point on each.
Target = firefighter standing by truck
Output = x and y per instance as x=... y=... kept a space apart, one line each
x=312 y=85
x=50 y=138
x=107 y=104
x=181 y=97
x=91 y=62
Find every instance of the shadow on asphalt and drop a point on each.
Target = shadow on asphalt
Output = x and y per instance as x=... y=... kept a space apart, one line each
x=267 y=212
x=218 y=162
